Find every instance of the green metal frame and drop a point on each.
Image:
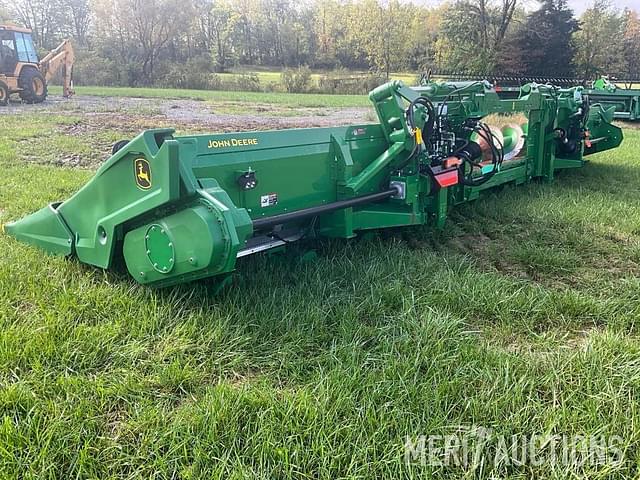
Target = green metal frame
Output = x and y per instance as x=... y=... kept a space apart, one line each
x=625 y=100
x=182 y=208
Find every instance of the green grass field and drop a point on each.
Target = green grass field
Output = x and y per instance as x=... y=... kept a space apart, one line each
x=520 y=317
x=267 y=76
x=273 y=98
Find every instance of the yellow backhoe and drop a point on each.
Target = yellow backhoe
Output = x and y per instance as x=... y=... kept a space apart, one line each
x=23 y=73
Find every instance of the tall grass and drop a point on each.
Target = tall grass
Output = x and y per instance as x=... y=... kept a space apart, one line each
x=520 y=317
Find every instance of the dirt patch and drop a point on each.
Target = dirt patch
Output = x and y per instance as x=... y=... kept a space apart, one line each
x=95 y=123
x=489 y=254
x=627 y=124
x=470 y=243
x=193 y=114
x=101 y=121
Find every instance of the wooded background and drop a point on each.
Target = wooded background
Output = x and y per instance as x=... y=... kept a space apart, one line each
x=183 y=43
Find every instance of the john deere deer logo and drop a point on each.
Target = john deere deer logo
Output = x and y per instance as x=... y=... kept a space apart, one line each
x=142 y=171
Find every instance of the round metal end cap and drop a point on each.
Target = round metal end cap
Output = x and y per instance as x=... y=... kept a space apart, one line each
x=160 y=249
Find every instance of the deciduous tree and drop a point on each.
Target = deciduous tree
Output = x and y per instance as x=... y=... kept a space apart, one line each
x=598 y=43
x=631 y=44
x=472 y=34
x=380 y=32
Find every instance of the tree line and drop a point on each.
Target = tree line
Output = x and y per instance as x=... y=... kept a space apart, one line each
x=171 y=42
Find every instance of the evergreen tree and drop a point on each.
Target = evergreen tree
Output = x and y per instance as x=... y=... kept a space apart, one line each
x=544 y=43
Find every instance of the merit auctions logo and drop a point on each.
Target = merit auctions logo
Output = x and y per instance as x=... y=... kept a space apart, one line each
x=472 y=447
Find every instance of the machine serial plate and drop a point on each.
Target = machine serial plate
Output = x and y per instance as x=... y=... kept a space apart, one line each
x=268 y=200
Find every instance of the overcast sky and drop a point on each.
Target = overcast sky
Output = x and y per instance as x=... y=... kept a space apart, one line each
x=578 y=6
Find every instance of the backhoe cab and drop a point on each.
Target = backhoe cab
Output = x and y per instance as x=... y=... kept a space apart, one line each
x=23 y=73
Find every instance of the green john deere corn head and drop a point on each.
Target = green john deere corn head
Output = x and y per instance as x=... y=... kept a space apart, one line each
x=625 y=101
x=183 y=208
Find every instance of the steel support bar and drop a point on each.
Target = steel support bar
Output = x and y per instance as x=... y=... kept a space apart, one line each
x=268 y=222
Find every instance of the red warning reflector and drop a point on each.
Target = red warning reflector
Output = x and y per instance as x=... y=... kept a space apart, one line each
x=447 y=178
